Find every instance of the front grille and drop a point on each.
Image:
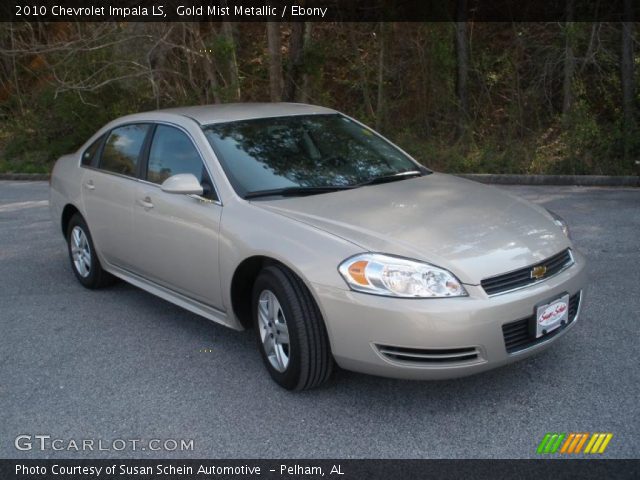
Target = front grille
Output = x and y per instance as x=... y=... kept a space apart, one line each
x=424 y=356
x=523 y=277
x=517 y=335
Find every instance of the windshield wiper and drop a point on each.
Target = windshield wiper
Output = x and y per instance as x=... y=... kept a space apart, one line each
x=302 y=191
x=295 y=191
x=391 y=178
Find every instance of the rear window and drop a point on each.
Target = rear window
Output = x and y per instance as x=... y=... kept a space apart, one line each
x=121 y=152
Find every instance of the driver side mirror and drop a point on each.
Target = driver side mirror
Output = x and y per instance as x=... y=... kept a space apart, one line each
x=182 y=183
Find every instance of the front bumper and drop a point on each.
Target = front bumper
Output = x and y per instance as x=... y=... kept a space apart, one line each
x=361 y=326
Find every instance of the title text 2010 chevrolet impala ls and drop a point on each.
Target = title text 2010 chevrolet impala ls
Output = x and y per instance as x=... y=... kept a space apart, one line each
x=333 y=243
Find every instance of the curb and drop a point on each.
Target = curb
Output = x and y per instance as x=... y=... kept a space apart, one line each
x=576 y=180
x=31 y=177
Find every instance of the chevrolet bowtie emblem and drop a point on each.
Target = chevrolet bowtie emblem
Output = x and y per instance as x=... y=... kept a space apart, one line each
x=538 y=272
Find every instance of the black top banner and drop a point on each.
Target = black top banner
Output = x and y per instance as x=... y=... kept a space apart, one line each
x=319 y=10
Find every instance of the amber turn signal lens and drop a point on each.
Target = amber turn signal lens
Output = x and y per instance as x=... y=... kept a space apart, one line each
x=356 y=271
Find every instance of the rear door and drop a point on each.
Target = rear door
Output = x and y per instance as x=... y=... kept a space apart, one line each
x=108 y=189
x=177 y=235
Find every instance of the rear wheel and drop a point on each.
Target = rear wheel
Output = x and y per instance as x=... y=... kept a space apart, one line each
x=290 y=331
x=82 y=253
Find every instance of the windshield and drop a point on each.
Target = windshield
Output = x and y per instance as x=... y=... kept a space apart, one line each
x=307 y=151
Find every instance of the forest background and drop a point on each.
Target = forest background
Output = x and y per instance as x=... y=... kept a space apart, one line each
x=461 y=97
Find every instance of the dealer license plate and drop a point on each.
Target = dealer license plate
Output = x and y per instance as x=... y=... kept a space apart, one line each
x=552 y=315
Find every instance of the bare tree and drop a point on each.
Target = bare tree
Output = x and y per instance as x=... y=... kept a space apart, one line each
x=232 y=61
x=569 y=63
x=12 y=72
x=51 y=51
x=296 y=52
x=382 y=58
x=462 y=66
x=626 y=75
x=275 y=61
x=303 y=92
x=361 y=68
x=117 y=54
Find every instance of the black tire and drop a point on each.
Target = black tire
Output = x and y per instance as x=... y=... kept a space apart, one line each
x=96 y=277
x=310 y=360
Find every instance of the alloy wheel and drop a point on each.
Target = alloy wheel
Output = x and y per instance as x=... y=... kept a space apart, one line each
x=273 y=330
x=80 y=252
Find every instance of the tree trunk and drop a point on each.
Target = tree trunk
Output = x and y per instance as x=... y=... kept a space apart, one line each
x=275 y=61
x=569 y=64
x=234 y=84
x=296 y=50
x=462 y=67
x=209 y=69
x=362 y=71
x=626 y=75
x=212 y=80
x=589 y=56
x=14 y=71
x=303 y=91
x=380 y=105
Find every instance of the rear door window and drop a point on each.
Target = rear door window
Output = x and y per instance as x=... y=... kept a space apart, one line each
x=121 y=153
x=90 y=155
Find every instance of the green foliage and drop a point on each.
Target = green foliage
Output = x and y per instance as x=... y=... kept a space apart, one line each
x=223 y=48
x=487 y=157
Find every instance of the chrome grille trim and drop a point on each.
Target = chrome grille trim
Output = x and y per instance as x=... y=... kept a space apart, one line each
x=521 y=278
x=429 y=356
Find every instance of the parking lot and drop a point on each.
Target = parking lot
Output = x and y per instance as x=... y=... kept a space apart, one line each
x=120 y=363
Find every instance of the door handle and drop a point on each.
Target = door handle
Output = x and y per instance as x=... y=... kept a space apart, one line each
x=89 y=185
x=146 y=203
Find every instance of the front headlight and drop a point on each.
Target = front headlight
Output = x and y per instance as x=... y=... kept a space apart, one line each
x=399 y=277
x=558 y=220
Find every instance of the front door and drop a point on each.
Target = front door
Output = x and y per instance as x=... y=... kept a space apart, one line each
x=177 y=235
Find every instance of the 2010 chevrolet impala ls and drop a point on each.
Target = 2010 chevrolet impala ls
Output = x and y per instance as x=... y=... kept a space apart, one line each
x=327 y=239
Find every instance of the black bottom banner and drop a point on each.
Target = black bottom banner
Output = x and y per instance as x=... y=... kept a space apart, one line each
x=176 y=469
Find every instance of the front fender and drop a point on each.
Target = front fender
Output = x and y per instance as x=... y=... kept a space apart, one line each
x=313 y=254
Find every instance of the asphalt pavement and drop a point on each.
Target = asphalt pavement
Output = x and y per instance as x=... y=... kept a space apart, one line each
x=121 y=364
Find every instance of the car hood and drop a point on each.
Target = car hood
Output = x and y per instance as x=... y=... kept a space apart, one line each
x=473 y=230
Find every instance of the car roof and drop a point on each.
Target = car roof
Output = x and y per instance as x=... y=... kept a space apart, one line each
x=227 y=112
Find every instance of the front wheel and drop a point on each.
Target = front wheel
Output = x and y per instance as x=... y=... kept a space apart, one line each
x=290 y=331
